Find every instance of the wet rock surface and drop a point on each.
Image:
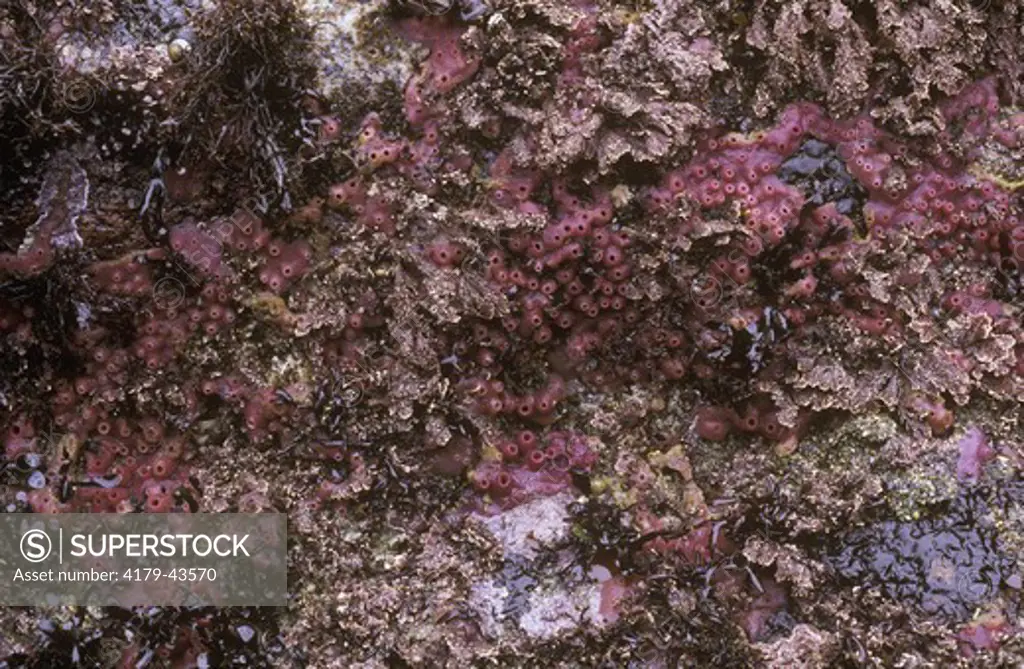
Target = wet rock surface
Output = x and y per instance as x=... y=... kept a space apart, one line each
x=948 y=565
x=566 y=333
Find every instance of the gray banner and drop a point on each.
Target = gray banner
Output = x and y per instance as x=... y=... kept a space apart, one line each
x=142 y=559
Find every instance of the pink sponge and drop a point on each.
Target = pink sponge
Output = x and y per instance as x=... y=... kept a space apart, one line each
x=285 y=263
x=130 y=275
x=532 y=467
x=199 y=249
x=447 y=66
x=31 y=261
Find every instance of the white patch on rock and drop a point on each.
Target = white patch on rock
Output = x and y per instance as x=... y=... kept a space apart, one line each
x=560 y=609
x=527 y=527
x=540 y=603
x=352 y=52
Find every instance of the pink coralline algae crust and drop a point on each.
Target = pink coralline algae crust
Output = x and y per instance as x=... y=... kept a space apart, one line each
x=975 y=451
x=756 y=617
x=530 y=467
x=583 y=39
x=757 y=600
x=986 y=633
x=614 y=592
